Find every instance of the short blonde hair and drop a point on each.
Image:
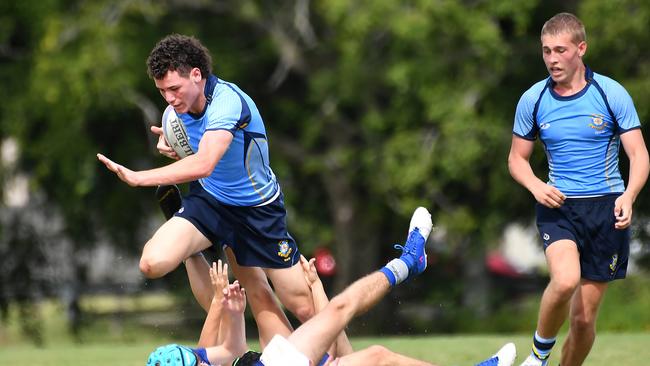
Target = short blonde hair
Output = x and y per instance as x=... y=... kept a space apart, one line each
x=565 y=23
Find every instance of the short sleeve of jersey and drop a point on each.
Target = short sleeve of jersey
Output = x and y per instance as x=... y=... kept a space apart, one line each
x=621 y=104
x=524 y=125
x=226 y=111
x=323 y=360
x=203 y=355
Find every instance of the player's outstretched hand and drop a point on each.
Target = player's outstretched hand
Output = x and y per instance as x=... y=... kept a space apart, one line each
x=162 y=146
x=309 y=270
x=128 y=176
x=234 y=298
x=219 y=279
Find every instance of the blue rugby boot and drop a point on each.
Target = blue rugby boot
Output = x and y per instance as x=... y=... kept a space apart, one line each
x=413 y=252
x=504 y=357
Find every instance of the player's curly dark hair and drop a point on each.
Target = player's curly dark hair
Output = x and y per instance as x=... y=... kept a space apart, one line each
x=177 y=52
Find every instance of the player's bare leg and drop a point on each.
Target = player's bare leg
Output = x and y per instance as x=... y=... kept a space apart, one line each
x=314 y=337
x=582 y=332
x=293 y=291
x=381 y=356
x=198 y=274
x=268 y=314
x=173 y=242
x=377 y=356
x=564 y=266
x=197 y=267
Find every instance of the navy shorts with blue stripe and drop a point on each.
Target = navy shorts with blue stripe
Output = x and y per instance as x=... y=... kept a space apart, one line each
x=258 y=236
x=589 y=222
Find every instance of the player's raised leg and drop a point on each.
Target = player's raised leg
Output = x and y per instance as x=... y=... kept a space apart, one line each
x=197 y=267
x=173 y=242
x=414 y=258
x=314 y=337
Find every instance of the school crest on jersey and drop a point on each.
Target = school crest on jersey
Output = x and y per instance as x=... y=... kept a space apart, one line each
x=597 y=122
x=284 y=250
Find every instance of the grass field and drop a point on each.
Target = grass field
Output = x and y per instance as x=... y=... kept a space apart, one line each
x=627 y=349
x=123 y=330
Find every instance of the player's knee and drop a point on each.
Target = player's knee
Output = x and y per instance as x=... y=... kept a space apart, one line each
x=299 y=303
x=565 y=287
x=377 y=354
x=583 y=325
x=151 y=268
x=340 y=305
x=302 y=310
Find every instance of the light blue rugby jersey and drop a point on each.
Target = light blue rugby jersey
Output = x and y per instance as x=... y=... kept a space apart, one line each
x=580 y=133
x=243 y=176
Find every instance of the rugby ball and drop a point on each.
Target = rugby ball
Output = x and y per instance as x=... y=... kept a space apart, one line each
x=175 y=134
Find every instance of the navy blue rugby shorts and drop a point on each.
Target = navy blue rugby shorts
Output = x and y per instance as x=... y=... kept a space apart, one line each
x=589 y=222
x=258 y=236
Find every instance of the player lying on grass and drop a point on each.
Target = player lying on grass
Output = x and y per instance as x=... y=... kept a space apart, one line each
x=308 y=345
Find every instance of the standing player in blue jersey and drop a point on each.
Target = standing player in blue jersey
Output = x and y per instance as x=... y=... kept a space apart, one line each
x=234 y=197
x=585 y=210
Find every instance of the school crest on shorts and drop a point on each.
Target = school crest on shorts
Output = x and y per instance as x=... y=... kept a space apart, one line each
x=284 y=250
x=613 y=263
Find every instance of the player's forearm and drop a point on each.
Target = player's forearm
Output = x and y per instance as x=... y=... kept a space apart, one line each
x=319 y=296
x=638 y=176
x=185 y=170
x=235 y=333
x=210 y=331
x=342 y=345
x=221 y=355
x=522 y=173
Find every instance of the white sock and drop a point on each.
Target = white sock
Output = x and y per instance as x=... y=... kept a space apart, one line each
x=399 y=269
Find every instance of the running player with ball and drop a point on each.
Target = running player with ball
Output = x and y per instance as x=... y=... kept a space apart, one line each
x=234 y=196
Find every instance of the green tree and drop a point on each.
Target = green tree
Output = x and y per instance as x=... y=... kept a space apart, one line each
x=372 y=107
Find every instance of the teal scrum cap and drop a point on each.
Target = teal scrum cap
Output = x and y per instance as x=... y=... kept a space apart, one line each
x=172 y=355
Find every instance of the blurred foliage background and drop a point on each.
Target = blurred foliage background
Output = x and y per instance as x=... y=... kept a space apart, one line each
x=372 y=107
